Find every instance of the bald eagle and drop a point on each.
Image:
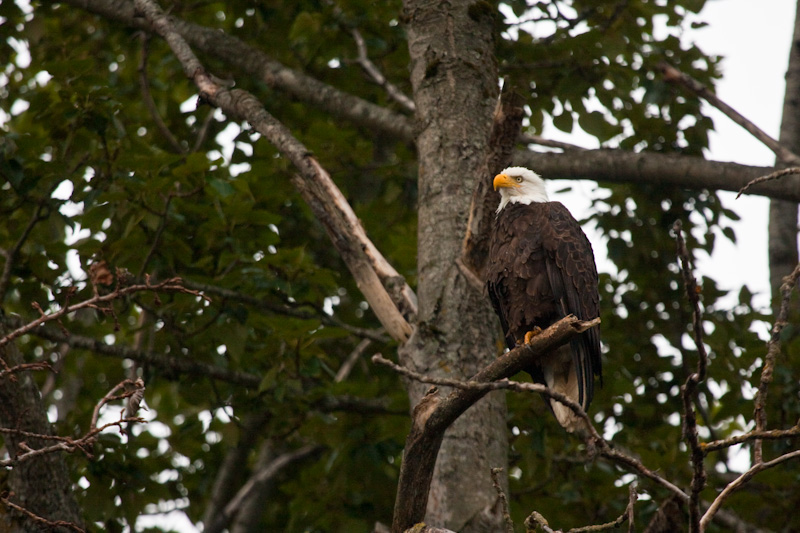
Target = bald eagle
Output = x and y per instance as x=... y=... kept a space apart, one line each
x=541 y=268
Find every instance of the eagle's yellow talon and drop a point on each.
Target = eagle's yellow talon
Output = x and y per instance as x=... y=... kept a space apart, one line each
x=532 y=333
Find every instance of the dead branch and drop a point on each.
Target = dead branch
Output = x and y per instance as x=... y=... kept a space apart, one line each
x=689 y=389
x=352 y=359
x=626 y=515
x=84 y=443
x=377 y=76
x=52 y=525
x=774 y=434
x=503 y=500
x=773 y=350
x=740 y=481
x=529 y=138
x=673 y=75
x=375 y=277
x=506 y=124
x=169 y=285
x=769 y=177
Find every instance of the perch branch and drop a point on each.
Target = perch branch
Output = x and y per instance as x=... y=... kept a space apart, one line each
x=375 y=277
x=434 y=414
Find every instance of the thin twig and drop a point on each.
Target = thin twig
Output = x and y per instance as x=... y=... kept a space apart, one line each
x=775 y=434
x=11 y=254
x=627 y=515
x=673 y=75
x=735 y=485
x=352 y=359
x=769 y=177
x=528 y=138
x=147 y=98
x=377 y=76
x=169 y=285
x=503 y=500
x=773 y=350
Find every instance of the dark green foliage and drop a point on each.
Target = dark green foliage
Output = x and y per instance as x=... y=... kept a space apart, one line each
x=142 y=207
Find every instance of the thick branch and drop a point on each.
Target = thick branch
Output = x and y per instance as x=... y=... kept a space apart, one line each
x=689 y=172
x=237 y=54
x=433 y=415
x=374 y=276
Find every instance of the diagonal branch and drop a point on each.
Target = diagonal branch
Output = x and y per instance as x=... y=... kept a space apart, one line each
x=673 y=75
x=377 y=76
x=391 y=299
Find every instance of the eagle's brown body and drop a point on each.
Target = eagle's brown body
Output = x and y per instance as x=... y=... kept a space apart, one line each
x=541 y=268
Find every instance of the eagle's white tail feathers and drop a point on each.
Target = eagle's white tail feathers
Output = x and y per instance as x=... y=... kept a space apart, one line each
x=560 y=376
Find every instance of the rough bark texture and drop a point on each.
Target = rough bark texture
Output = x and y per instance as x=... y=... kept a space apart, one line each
x=453 y=70
x=41 y=485
x=783 y=254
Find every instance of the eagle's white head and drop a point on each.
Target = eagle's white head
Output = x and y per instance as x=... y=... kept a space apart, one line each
x=519 y=185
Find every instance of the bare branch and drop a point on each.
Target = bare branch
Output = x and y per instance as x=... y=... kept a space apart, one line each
x=352 y=359
x=377 y=76
x=689 y=389
x=769 y=177
x=529 y=138
x=673 y=75
x=375 y=277
x=627 y=515
x=735 y=485
x=51 y=525
x=775 y=434
x=169 y=285
x=503 y=500
x=773 y=350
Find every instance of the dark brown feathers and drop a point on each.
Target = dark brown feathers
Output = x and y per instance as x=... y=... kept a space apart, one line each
x=541 y=268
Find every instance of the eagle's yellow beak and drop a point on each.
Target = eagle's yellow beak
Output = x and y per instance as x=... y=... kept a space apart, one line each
x=503 y=181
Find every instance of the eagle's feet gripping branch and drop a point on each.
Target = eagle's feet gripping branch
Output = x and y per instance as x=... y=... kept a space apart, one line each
x=532 y=333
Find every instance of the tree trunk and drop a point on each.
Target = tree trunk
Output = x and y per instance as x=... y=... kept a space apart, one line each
x=454 y=78
x=783 y=255
x=41 y=484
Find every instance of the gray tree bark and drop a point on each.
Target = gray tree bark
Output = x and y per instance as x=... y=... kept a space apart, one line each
x=783 y=254
x=453 y=70
x=41 y=484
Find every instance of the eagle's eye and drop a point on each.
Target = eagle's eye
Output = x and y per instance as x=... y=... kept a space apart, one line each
x=519 y=179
